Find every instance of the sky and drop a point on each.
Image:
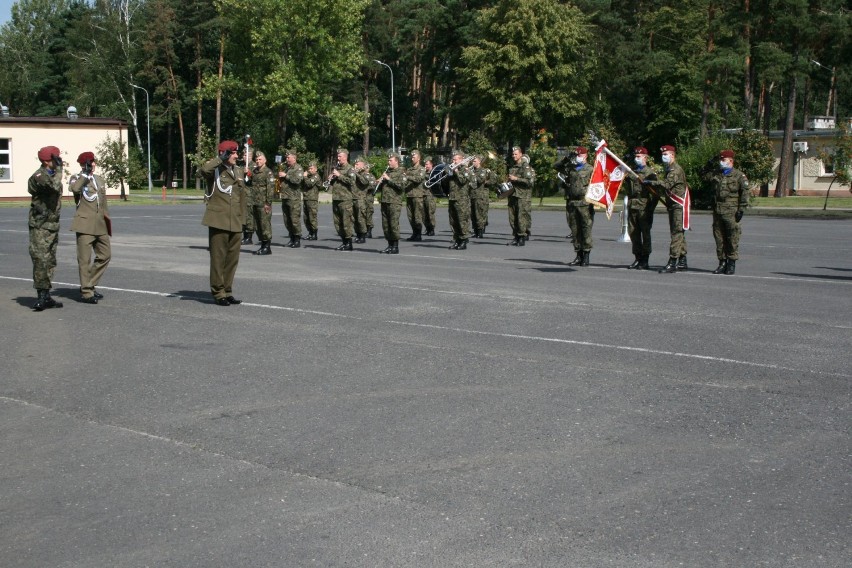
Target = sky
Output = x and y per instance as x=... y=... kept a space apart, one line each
x=6 y=10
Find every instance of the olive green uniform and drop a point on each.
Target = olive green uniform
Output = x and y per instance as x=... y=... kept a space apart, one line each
x=416 y=199
x=261 y=194
x=579 y=213
x=730 y=194
x=365 y=184
x=520 y=202
x=90 y=224
x=393 y=192
x=673 y=183
x=224 y=217
x=460 y=181
x=341 y=201
x=46 y=191
x=479 y=196
x=311 y=185
x=640 y=213
x=249 y=226
x=291 y=199
x=430 y=216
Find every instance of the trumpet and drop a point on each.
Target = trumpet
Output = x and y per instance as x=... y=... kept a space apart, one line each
x=446 y=171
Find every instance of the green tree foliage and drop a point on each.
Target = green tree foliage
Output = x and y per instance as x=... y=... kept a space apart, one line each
x=114 y=163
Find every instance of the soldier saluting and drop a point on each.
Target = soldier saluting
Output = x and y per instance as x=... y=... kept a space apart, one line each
x=45 y=187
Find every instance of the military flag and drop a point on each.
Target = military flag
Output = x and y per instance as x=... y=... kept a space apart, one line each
x=606 y=179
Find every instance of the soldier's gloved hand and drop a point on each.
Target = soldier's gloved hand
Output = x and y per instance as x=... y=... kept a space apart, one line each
x=225 y=155
x=57 y=161
x=738 y=215
x=88 y=167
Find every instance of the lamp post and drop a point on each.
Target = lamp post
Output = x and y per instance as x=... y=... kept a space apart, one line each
x=393 y=118
x=148 y=115
x=833 y=91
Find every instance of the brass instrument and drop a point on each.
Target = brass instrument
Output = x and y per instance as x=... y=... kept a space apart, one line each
x=447 y=171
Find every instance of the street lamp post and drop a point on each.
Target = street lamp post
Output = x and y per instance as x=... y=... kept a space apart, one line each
x=832 y=93
x=148 y=115
x=393 y=118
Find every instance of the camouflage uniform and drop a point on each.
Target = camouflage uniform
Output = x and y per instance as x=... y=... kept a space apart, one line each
x=291 y=200
x=730 y=194
x=365 y=184
x=393 y=192
x=460 y=180
x=311 y=185
x=640 y=215
x=580 y=214
x=415 y=200
x=341 y=204
x=430 y=216
x=673 y=183
x=45 y=187
x=261 y=194
x=485 y=180
x=249 y=225
x=520 y=202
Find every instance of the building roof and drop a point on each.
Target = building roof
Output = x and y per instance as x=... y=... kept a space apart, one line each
x=61 y=120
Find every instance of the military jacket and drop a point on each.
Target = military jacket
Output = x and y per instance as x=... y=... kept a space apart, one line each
x=341 y=187
x=526 y=178
x=460 y=180
x=262 y=188
x=485 y=180
x=90 y=194
x=639 y=195
x=393 y=189
x=46 y=191
x=729 y=191
x=673 y=183
x=311 y=185
x=225 y=196
x=577 y=182
x=417 y=177
x=291 y=183
x=364 y=183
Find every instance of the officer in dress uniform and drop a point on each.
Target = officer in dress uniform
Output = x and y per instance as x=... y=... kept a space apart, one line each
x=45 y=187
x=92 y=225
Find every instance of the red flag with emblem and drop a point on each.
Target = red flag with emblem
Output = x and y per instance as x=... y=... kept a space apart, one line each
x=606 y=179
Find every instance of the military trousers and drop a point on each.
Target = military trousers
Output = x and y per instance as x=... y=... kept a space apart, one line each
x=262 y=222
x=415 y=207
x=311 y=206
x=726 y=232
x=459 y=214
x=430 y=218
x=292 y=211
x=678 y=244
x=249 y=225
x=581 y=218
x=91 y=271
x=640 y=220
x=359 y=213
x=479 y=212
x=224 y=257
x=43 y=244
x=390 y=220
x=519 y=215
x=343 y=222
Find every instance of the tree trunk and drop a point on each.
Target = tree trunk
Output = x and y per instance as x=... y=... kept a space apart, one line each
x=366 y=141
x=787 y=144
x=220 y=74
x=748 y=71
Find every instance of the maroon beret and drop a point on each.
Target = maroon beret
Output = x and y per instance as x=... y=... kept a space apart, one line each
x=667 y=148
x=582 y=150
x=726 y=154
x=228 y=146
x=85 y=157
x=46 y=153
x=640 y=150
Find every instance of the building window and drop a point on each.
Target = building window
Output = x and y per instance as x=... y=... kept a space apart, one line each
x=5 y=159
x=826 y=168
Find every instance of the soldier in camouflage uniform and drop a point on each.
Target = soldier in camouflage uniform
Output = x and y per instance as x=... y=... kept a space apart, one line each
x=311 y=185
x=341 y=183
x=430 y=218
x=730 y=198
x=415 y=199
x=672 y=184
x=392 y=184
x=249 y=226
x=640 y=209
x=260 y=196
x=362 y=192
x=580 y=214
x=460 y=180
x=522 y=177
x=485 y=180
x=45 y=187
x=291 y=198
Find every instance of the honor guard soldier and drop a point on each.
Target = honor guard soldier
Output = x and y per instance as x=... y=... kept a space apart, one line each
x=362 y=193
x=392 y=185
x=416 y=195
x=640 y=209
x=311 y=185
x=673 y=187
x=430 y=219
x=261 y=193
x=92 y=225
x=45 y=187
x=224 y=216
x=730 y=198
x=580 y=214
x=341 y=182
x=460 y=180
x=485 y=181
x=291 y=178
x=522 y=178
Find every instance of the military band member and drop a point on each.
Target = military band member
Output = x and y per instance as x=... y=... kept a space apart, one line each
x=45 y=187
x=640 y=209
x=260 y=196
x=291 y=198
x=730 y=198
x=311 y=185
x=460 y=180
x=91 y=225
x=672 y=185
x=341 y=182
x=430 y=218
x=520 y=202
x=365 y=184
x=392 y=184
x=224 y=217
x=416 y=196
x=485 y=181
x=580 y=214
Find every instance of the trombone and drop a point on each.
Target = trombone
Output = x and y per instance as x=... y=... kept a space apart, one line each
x=446 y=171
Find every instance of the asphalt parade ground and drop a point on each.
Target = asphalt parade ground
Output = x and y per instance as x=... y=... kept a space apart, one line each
x=436 y=408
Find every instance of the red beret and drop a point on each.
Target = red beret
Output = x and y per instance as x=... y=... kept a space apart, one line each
x=85 y=157
x=667 y=148
x=582 y=150
x=640 y=150
x=46 y=153
x=726 y=154
x=228 y=146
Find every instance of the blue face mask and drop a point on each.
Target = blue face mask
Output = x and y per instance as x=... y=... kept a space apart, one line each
x=667 y=159
x=640 y=163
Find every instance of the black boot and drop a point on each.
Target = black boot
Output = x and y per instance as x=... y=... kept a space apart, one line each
x=514 y=242
x=522 y=241
x=463 y=245
x=265 y=248
x=369 y=233
x=578 y=261
x=297 y=242
x=723 y=265
x=415 y=236
x=643 y=264
x=430 y=233
x=348 y=245
x=313 y=236
x=635 y=264
x=586 y=254
x=455 y=245
x=681 y=263
x=387 y=249
x=395 y=248
x=342 y=245
x=670 y=267
x=359 y=239
x=246 y=238
x=732 y=266
x=39 y=303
